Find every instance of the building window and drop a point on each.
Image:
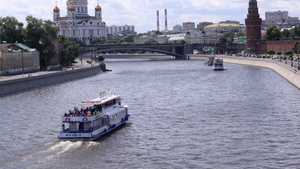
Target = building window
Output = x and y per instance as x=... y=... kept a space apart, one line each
x=91 y=32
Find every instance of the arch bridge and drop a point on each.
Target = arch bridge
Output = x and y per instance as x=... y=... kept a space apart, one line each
x=179 y=51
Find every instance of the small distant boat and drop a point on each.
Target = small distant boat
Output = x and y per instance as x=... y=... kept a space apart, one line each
x=96 y=118
x=218 y=64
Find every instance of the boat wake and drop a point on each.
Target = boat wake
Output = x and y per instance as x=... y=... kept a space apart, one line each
x=53 y=150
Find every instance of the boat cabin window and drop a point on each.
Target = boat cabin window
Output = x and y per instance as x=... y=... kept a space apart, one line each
x=87 y=126
x=98 y=107
x=100 y=123
x=73 y=127
x=110 y=103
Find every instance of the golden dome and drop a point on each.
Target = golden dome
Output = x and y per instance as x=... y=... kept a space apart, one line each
x=98 y=8
x=71 y=8
x=56 y=9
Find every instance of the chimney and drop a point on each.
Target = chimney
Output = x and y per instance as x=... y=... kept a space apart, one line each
x=157 y=20
x=166 y=20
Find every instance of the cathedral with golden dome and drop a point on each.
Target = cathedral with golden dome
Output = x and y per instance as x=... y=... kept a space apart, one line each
x=78 y=24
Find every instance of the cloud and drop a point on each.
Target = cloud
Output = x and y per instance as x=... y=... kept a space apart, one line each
x=142 y=13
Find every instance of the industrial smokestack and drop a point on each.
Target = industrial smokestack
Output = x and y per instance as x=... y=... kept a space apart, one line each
x=166 y=20
x=157 y=20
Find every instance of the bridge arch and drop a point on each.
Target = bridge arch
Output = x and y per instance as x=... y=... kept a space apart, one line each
x=177 y=56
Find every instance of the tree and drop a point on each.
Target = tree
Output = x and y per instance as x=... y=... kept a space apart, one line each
x=295 y=32
x=34 y=33
x=62 y=39
x=270 y=52
x=11 y=30
x=226 y=38
x=286 y=34
x=39 y=35
x=289 y=52
x=296 y=48
x=151 y=42
x=272 y=33
x=279 y=53
x=179 y=42
x=222 y=39
x=72 y=49
x=129 y=38
x=158 y=33
x=98 y=41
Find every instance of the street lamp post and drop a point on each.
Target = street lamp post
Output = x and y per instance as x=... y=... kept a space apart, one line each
x=45 y=52
x=22 y=62
x=81 y=55
x=298 y=63
x=298 y=55
x=64 y=57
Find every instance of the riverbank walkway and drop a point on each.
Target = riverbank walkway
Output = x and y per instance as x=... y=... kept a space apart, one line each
x=76 y=66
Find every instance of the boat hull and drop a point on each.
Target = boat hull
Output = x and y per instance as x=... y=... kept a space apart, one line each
x=219 y=68
x=88 y=136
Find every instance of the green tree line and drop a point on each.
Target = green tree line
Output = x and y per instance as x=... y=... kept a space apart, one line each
x=274 y=33
x=38 y=34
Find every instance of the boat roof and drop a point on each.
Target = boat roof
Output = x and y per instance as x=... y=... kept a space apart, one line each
x=104 y=97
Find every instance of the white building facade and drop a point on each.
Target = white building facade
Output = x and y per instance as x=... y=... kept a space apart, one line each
x=116 y=30
x=280 y=19
x=199 y=37
x=78 y=23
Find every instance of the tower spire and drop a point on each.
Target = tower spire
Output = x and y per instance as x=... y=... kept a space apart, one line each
x=253 y=4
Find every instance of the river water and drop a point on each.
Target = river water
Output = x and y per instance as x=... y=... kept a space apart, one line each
x=183 y=115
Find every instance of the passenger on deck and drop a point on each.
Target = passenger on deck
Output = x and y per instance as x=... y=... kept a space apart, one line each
x=82 y=112
x=76 y=111
x=70 y=112
x=63 y=127
x=89 y=113
x=65 y=115
x=95 y=113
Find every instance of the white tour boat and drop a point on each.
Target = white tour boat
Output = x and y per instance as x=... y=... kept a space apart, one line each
x=218 y=64
x=96 y=118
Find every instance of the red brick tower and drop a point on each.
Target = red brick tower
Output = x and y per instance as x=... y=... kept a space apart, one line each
x=253 y=28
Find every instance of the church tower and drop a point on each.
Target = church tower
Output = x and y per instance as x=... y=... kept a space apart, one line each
x=80 y=7
x=98 y=12
x=56 y=13
x=253 y=28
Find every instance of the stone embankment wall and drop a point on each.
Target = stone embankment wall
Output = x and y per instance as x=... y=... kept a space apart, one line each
x=291 y=74
x=18 y=85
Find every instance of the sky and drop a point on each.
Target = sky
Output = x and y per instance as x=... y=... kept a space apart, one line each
x=142 y=13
